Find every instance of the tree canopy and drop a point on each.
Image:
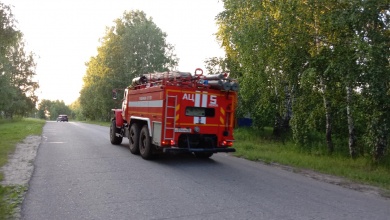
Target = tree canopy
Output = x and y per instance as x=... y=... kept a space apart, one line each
x=319 y=68
x=17 y=69
x=133 y=46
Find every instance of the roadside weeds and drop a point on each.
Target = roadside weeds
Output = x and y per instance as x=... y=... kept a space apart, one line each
x=335 y=180
x=17 y=173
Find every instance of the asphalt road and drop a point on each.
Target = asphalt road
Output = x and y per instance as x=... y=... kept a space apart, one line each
x=80 y=175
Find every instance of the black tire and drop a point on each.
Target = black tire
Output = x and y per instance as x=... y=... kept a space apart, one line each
x=203 y=155
x=113 y=130
x=145 y=145
x=134 y=138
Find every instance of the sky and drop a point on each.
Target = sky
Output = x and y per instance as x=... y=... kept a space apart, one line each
x=64 y=35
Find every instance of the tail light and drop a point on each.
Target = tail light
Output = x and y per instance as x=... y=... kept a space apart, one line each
x=168 y=143
x=227 y=143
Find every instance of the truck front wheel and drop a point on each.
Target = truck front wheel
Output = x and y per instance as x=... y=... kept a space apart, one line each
x=145 y=146
x=134 y=139
x=113 y=130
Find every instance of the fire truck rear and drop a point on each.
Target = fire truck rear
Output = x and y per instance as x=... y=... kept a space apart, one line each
x=177 y=112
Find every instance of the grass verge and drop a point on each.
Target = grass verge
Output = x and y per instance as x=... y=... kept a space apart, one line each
x=13 y=132
x=258 y=146
x=11 y=199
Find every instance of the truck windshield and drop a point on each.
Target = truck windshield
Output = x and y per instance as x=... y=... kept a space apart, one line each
x=200 y=112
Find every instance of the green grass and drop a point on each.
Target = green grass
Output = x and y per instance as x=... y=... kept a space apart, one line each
x=259 y=146
x=11 y=198
x=11 y=133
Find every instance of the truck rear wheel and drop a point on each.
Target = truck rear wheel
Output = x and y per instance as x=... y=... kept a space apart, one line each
x=113 y=130
x=134 y=139
x=145 y=146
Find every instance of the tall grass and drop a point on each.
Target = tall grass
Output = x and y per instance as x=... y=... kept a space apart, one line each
x=260 y=146
x=13 y=132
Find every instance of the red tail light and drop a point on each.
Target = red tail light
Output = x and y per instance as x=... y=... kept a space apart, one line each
x=227 y=143
x=168 y=143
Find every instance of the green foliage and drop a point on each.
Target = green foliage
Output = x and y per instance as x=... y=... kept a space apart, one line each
x=135 y=45
x=249 y=32
x=215 y=65
x=302 y=64
x=50 y=110
x=14 y=131
x=17 y=69
x=77 y=111
x=10 y=198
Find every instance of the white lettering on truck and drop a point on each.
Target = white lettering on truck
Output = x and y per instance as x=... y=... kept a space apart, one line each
x=190 y=97
x=213 y=101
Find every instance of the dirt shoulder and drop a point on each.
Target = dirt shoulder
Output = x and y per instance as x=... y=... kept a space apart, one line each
x=17 y=172
x=20 y=165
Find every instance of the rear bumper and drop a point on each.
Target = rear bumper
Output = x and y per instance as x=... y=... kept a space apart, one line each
x=191 y=150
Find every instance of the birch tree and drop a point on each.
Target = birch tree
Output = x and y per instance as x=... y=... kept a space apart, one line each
x=328 y=60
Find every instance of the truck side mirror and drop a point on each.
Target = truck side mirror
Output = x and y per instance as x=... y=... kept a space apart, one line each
x=114 y=94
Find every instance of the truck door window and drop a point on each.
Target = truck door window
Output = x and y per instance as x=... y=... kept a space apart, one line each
x=200 y=112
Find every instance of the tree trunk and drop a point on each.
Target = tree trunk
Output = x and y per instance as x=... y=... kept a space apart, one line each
x=277 y=130
x=328 y=117
x=288 y=108
x=351 y=127
x=282 y=122
x=380 y=147
x=380 y=141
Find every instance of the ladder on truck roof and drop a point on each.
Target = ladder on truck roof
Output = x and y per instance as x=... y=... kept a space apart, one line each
x=170 y=117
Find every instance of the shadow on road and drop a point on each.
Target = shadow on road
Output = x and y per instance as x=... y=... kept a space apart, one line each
x=175 y=158
x=183 y=159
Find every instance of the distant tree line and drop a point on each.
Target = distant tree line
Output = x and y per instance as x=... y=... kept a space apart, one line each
x=17 y=69
x=319 y=69
x=49 y=110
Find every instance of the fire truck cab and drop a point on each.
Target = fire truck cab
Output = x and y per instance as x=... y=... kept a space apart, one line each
x=177 y=112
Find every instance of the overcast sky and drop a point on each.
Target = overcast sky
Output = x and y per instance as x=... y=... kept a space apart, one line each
x=64 y=34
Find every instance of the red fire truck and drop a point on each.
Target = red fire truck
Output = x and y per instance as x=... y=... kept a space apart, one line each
x=177 y=112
